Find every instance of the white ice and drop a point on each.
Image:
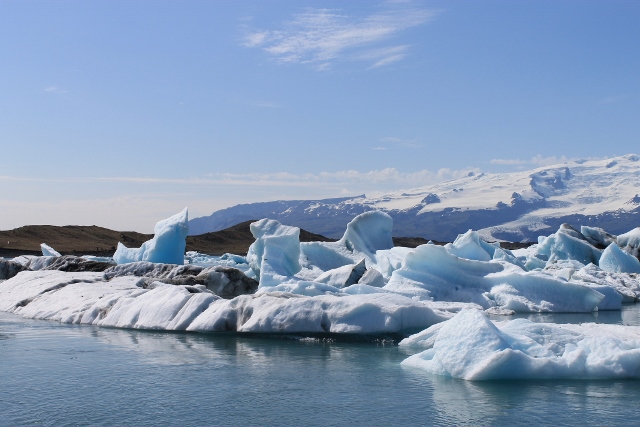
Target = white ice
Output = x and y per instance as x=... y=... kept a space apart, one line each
x=167 y=246
x=89 y=298
x=431 y=272
x=615 y=260
x=471 y=347
x=48 y=250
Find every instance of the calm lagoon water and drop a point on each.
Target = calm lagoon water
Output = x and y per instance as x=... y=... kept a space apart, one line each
x=53 y=374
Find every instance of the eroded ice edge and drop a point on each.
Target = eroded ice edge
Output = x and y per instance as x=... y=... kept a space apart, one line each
x=361 y=284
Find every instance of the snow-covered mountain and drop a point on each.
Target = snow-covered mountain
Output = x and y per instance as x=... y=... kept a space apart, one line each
x=516 y=206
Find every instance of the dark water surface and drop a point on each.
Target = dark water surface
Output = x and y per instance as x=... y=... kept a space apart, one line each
x=54 y=374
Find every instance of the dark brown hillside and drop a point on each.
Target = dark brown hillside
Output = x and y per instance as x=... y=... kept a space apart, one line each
x=93 y=240
x=68 y=240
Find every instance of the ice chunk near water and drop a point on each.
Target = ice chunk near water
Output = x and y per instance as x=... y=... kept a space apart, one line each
x=569 y=230
x=226 y=260
x=343 y=276
x=563 y=245
x=615 y=260
x=26 y=286
x=506 y=255
x=614 y=294
x=471 y=347
x=287 y=313
x=160 y=307
x=71 y=302
x=389 y=260
x=368 y=233
x=538 y=292
x=626 y=285
x=167 y=246
x=630 y=242
x=470 y=246
x=281 y=261
x=275 y=255
x=226 y=282
x=48 y=250
x=597 y=236
x=302 y=288
x=431 y=272
x=89 y=298
x=372 y=278
x=367 y=236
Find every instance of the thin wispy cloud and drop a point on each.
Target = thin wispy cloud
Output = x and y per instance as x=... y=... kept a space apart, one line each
x=384 y=56
x=540 y=160
x=341 y=179
x=54 y=89
x=322 y=36
x=391 y=141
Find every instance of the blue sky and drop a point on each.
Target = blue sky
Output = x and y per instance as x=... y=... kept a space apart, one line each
x=121 y=113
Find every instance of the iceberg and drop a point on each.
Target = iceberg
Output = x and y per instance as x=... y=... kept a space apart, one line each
x=48 y=250
x=128 y=302
x=615 y=260
x=597 y=236
x=368 y=237
x=430 y=272
x=566 y=245
x=471 y=347
x=470 y=246
x=167 y=246
x=368 y=233
x=275 y=255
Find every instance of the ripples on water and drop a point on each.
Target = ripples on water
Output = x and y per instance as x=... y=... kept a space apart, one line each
x=58 y=375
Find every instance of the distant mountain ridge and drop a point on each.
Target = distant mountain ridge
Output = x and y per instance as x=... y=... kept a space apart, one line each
x=515 y=206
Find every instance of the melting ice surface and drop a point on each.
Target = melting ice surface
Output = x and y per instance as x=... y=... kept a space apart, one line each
x=361 y=284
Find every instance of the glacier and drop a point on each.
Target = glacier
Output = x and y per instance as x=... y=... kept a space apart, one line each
x=515 y=207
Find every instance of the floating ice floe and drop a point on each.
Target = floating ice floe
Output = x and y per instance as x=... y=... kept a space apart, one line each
x=468 y=270
x=431 y=272
x=167 y=246
x=471 y=347
x=123 y=301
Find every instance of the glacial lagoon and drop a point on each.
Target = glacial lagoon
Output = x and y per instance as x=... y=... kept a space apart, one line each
x=55 y=374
